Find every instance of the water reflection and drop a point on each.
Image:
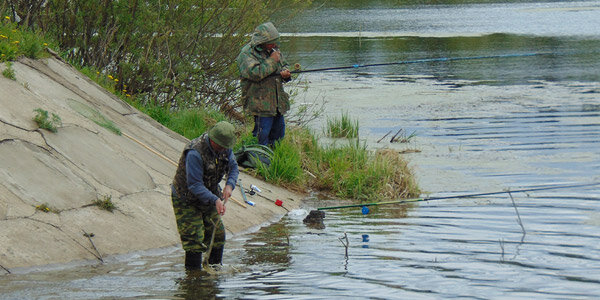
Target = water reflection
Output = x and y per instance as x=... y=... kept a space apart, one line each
x=197 y=284
x=271 y=245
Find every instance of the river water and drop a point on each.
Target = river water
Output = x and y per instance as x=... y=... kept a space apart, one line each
x=480 y=125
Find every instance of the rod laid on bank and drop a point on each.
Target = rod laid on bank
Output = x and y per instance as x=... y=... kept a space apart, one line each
x=426 y=60
x=460 y=196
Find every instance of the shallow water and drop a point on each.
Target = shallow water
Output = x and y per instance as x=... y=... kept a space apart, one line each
x=480 y=126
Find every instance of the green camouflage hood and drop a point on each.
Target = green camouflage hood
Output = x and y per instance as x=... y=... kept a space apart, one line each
x=264 y=33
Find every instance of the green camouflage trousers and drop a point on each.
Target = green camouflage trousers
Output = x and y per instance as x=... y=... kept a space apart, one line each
x=195 y=226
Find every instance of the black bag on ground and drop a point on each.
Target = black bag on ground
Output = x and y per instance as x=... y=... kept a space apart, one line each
x=249 y=155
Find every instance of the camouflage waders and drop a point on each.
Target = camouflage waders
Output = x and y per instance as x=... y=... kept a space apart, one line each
x=196 y=219
x=193 y=222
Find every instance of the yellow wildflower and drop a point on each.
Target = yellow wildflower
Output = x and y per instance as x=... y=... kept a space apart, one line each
x=3 y=36
x=116 y=80
x=16 y=42
x=7 y=17
x=45 y=44
x=127 y=95
x=110 y=77
x=124 y=91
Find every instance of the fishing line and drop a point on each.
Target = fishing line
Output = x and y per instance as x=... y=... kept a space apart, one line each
x=460 y=196
x=425 y=60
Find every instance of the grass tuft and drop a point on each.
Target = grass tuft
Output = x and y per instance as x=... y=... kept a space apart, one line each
x=9 y=72
x=45 y=122
x=105 y=203
x=286 y=164
x=344 y=127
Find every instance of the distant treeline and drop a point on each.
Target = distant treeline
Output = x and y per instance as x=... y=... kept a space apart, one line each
x=177 y=53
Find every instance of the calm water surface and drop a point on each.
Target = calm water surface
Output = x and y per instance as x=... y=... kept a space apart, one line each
x=480 y=126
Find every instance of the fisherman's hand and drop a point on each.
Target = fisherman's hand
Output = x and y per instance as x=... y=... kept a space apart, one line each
x=220 y=206
x=227 y=192
x=285 y=74
x=276 y=56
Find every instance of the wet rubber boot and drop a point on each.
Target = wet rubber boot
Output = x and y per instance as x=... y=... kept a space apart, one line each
x=216 y=256
x=193 y=260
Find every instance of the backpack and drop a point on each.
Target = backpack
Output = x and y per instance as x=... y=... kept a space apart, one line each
x=249 y=155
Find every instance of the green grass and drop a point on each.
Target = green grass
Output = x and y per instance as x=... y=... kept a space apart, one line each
x=348 y=171
x=189 y=122
x=343 y=127
x=105 y=203
x=286 y=164
x=44 y=121
x=15 y=41
x=9 y=72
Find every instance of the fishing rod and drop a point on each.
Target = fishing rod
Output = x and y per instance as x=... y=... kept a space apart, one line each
x=425 y=60
x=460 y=196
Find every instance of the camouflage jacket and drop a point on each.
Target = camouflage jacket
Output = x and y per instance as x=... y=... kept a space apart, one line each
x=215 y=165
x=262 y=95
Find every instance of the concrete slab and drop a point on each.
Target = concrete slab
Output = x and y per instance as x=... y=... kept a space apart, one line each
x=84 y=161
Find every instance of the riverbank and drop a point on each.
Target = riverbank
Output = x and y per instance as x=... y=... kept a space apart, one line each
x=50 y=181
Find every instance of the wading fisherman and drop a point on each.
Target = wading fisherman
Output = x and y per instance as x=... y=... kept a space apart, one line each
x=198 y=201
x=262 y=73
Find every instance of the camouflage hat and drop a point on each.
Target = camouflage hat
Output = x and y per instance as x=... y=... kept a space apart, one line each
x=223 y=133
x=264 y=33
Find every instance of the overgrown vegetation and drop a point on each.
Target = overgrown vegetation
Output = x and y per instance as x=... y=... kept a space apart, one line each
x=44 y=121
x=15 y=42
x=105 y=203
x=347 y=171
x=343 y=127
x=169 y=53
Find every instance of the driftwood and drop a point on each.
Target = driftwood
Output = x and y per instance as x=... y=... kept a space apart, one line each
x=384 y=136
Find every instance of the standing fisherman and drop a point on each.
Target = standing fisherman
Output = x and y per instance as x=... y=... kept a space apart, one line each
x=198 y=201
x=263 y=71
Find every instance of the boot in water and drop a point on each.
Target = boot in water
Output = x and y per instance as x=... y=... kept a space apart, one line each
x=216 y=256
x=193 y=260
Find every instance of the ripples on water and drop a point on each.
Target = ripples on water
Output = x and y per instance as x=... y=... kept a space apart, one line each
x=481 y=126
